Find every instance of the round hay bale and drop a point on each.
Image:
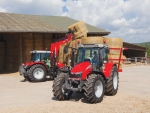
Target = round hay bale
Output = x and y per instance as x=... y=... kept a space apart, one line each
x=79 y=28
x=114 y=43
x=92 y=40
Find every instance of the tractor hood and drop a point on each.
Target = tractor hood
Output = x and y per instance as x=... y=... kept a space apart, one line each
x=28 y=64
x=83 y=68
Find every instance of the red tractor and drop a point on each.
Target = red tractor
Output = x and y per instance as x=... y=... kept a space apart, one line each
x=44 y=63
x=92 y=74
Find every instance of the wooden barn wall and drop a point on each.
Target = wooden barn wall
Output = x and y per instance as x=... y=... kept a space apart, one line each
x=11 y=51
x=15 y=47
x=2 y=55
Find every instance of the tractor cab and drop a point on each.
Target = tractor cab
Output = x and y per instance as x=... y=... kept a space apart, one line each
x=95 y=54
x=40 y=56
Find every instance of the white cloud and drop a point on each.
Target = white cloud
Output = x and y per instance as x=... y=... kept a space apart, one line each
x=120 y=22
x=40 y=7
x=126 y=19
x=2 y=10
x=24 y=1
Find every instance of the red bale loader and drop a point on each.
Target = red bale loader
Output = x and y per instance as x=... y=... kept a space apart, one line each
x=92 y=74
x=44 y=63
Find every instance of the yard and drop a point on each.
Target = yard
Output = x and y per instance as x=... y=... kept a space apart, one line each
x=24 y=97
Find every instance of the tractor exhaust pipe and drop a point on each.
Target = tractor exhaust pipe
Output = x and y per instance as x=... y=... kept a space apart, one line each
x=72 y=57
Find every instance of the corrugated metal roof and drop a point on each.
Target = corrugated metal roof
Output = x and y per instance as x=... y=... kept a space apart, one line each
x=35 y=23
x=133 y=46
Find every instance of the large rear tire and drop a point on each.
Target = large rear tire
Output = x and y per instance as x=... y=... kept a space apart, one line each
x=37 y=73
x=112 y=82
x=58 y=87
x=94 y=88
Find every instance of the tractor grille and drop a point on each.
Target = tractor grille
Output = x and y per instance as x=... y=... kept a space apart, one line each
x=75 y=75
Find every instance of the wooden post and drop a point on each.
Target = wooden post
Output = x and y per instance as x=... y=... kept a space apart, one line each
x=135 y=60
x=146 y=58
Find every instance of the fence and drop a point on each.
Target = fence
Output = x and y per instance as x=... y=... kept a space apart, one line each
x=148 y=60
x=139 y=59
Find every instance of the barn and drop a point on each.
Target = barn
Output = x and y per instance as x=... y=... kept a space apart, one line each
x=20 y=33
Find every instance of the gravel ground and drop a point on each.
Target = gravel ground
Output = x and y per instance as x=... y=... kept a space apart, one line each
x=23 y=97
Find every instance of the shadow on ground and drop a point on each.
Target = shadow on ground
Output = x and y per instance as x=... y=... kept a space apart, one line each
x=76 y=96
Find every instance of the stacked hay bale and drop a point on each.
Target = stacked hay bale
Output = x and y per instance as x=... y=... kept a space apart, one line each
x=27 y=46
x=79 y=31
x=114 y=54
x=92 y=40
x=110 y=42
x=80 y=35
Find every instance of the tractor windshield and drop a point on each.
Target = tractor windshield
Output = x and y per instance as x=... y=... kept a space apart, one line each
x=40 y=57
x=88 y=54
x=96 y=56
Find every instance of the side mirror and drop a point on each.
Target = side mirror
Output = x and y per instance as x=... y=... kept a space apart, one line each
x=105 y=62
x=107 y=50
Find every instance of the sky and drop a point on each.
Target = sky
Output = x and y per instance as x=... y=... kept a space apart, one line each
x=126 y=19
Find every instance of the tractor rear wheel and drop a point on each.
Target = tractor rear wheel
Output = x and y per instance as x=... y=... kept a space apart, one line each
x=59 y=90
x=94 y=88
x=112 y=82
x=37 y=73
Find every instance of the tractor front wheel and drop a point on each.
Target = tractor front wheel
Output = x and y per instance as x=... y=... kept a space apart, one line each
x=37 y=73
x=26 y=76
x=59 y=90
x=112 y=82
x=94 y=88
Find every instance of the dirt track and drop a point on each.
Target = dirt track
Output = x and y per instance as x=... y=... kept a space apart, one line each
x=23 y=97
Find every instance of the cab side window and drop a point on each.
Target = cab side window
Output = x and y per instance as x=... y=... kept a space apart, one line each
x=103 y=55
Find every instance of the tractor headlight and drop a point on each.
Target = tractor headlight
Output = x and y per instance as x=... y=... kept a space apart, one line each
x=76 y=75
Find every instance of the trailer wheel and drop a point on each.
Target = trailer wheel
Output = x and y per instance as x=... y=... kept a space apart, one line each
x=59 y=90
x=112 y=82
x=94 y=88
x=37 y=73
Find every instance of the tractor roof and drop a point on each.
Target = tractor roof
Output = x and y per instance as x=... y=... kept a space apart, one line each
x=92 y=45
x=39 y=51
